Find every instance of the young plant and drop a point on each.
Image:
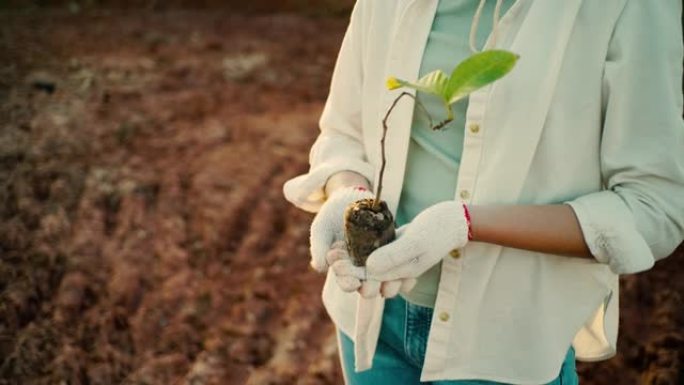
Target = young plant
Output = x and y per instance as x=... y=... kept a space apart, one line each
x=369 y=223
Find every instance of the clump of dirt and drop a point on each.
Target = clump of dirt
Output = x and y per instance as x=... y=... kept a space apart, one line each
x=143 y=233
x=367 y=226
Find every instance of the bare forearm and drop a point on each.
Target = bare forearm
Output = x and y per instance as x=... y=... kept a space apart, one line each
x=545 y=228
x=345 y=179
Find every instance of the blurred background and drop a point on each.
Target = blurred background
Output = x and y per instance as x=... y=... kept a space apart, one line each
x=144 y=238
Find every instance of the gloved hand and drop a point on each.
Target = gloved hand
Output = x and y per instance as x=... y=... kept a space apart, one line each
x=351 y=278
x=421 y=243
x=328 y=247
x=328 y=224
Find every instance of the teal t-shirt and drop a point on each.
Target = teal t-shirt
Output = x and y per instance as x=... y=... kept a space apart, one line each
x=434 y=156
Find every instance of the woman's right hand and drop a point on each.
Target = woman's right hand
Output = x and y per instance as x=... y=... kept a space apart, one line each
x=353 y=278
x=328 y=224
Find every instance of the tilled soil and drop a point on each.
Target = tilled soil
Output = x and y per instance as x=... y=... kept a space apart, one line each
x=143 y=232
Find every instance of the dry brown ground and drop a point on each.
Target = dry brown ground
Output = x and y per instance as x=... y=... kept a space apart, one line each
x=143 y=234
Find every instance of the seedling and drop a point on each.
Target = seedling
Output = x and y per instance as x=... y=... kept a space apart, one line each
x=369 y=223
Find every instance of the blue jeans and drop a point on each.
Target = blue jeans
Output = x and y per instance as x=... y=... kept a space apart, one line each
x=401 y=350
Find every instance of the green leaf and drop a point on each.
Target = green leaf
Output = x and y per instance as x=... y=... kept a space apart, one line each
x=478 y=71
x=434 y=82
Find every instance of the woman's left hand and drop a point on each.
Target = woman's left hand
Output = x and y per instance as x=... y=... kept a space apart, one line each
x=421 y=243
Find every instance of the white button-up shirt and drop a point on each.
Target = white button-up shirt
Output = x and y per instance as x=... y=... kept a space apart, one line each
x=591 y=116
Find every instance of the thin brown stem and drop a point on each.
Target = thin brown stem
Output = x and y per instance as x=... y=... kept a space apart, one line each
x=376 y=202
x=441 y=124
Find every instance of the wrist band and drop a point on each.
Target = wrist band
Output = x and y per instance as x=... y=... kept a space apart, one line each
x=470 y=227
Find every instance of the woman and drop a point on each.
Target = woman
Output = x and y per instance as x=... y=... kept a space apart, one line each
x=516 y=219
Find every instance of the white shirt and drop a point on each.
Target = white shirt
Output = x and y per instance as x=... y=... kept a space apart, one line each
x=590 y=116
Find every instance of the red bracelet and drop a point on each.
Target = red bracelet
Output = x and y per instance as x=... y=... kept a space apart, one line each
x=470 y=226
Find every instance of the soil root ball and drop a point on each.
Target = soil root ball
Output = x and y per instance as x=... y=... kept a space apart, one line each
x=367 y=228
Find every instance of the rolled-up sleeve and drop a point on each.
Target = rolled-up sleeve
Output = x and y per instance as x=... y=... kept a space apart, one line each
x=639 y=217
x=339 y=144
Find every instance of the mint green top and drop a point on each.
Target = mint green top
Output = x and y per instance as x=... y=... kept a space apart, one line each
x=434 y=156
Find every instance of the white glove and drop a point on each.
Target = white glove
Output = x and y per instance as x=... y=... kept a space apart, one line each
x=328 y=247
x=328 y=224
x=421 y=243
x=351 y=278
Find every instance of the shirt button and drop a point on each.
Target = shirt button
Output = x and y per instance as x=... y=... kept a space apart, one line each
x=455 y=253
x=474 y=128
x=444 y=316
x=465 y=194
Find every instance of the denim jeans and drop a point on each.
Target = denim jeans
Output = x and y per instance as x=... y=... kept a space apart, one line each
x=401 y=350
